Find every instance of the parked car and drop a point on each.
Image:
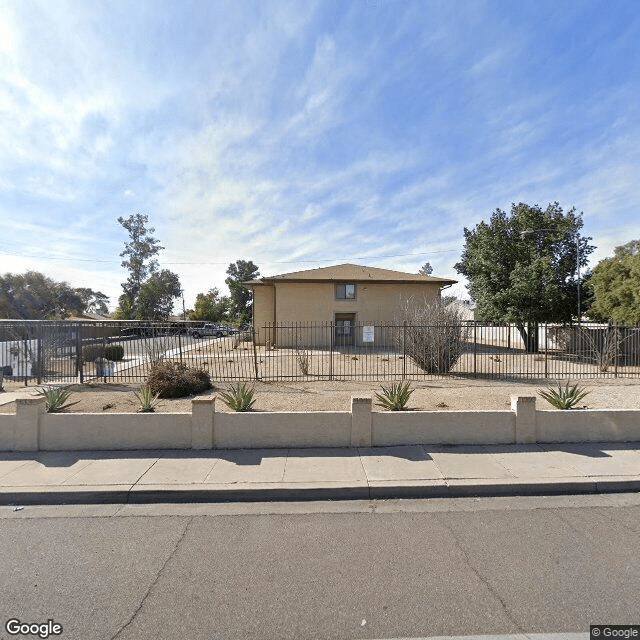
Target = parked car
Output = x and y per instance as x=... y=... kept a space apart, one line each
x=215 y=330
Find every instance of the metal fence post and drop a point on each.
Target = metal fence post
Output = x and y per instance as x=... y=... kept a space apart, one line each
x=39 y=358
x=546 y=352
x=331 y=333
x=79 y=369
x=475 y=347
x=615 y=353
x=255 y=352
x=404 y=349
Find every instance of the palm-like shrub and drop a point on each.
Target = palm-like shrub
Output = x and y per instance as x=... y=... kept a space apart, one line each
x=147 y=399
x=239 y=398
x=566 y=397
x=395 y=397
x=56 y=398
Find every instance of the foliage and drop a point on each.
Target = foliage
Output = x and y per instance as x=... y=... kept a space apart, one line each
x=169 y=379
x=155 y=301
x=395 y=397
x=114 y=352
x=148 y=293
x=522 y=267
x=239 y=398
x=432 y=334
x=56 y=398
x=211 y=307
x=240 y=304
x=564 y=397
x=139 y=253
x=616 y=287
x=426 y=269
x=93 y=351
x=146 y=398
x=34 y=296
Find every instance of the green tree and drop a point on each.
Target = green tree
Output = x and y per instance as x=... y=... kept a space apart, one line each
x=241 y=305
x=157 y=294
x=522 y=267
x=615 y=283
x=210 y=306
x=140 y=260
x=93 y=301
x=34 y=296
x=426 y=269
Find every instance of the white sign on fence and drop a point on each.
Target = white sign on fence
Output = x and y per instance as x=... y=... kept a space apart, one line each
x=368 y=333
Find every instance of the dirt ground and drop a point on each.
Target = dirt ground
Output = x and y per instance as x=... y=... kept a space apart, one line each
x=437 y=395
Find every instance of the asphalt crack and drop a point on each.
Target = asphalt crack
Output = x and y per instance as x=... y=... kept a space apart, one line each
x=155 y=580
x=483 y=579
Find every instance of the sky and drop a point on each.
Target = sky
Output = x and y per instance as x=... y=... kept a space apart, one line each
x=304 y=134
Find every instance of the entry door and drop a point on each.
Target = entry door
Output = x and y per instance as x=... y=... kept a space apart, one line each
x=344 y=330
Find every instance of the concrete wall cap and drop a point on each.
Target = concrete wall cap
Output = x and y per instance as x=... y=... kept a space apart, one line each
x=523 y=398
x=361 y=399
x=31 y=401
x=204 y=400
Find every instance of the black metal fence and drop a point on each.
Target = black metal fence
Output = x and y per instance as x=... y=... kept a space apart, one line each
x=116 y=351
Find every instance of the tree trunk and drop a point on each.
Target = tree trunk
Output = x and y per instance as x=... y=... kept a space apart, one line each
x=529 y=334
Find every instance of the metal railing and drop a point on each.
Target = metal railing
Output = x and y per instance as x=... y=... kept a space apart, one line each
x=118 y=351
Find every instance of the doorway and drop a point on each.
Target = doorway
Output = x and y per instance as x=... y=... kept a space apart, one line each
x=344 y=329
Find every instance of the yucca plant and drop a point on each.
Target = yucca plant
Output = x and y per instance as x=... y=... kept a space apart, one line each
x=238 y=398
x=147 y=399
x=566 y=397
x=395 y=397
x=56 y=398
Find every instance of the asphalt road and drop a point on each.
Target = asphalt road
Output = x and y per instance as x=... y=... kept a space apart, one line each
x=391 y=569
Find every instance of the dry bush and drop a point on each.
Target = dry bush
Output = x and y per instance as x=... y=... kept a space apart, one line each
x=170 y=379
x=432 y=334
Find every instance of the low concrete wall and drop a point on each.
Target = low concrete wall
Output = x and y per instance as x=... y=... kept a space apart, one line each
x=31 y=429
x=281 y=430
x=86 y=431
x=595 y=425
x=443 y=427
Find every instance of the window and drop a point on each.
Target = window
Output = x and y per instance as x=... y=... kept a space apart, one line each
x=345 y=292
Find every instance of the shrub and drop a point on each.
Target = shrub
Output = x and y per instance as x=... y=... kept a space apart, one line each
x=93 y=351
x=146 y=399
x=395 y=397
x=432 y=334
x=564 y=397
x=114 y=352
x=239 y=398
x=56 y=398
x=169 y=379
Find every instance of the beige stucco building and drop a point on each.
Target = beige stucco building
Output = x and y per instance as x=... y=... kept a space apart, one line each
x=342 y=296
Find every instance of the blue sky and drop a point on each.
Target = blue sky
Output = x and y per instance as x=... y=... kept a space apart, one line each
x=303 y=134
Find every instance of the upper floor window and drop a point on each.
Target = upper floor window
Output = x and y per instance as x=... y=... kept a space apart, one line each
x=345 y=292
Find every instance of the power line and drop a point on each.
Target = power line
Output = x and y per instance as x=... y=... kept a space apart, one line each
x=226 y=262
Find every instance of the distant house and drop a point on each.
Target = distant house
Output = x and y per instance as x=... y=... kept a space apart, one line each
x=346 y=295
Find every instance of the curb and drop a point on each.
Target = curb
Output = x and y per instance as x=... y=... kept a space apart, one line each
x=136 y=495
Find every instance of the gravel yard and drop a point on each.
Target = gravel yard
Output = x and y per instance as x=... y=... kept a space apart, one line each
x=448 y=394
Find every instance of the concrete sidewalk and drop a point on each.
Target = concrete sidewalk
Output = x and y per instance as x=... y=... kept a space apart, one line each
x=317 y=474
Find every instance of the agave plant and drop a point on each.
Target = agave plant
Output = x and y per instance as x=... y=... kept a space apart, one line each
x=566 y=397
x=56 y=398
x=239 y=398
x=147 y=400
x=395 y=397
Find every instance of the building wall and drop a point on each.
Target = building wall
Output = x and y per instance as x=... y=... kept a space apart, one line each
x=304 y=302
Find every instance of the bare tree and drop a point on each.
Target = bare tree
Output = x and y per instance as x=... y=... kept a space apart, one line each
x=431 y=333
